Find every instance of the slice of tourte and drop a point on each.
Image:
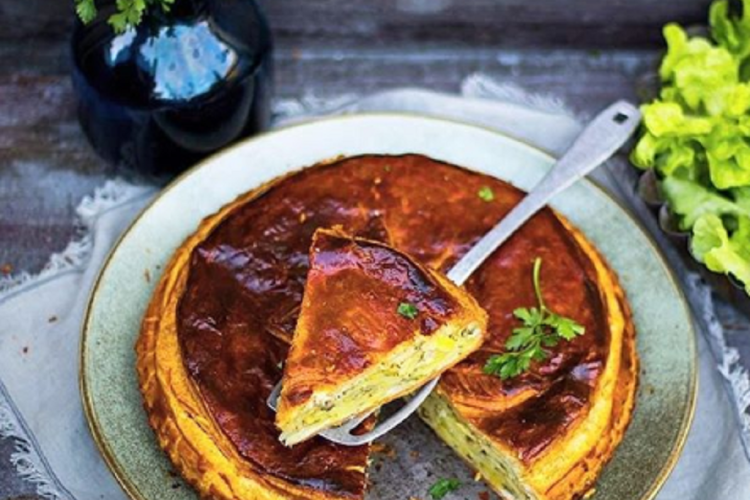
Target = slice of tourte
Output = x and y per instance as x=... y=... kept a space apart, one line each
x=374 y=325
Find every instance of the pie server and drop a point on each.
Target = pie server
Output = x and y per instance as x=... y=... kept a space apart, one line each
x=601 y=138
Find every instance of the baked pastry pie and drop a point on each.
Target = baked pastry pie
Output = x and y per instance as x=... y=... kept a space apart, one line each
x=374 y=325
x=221 y=320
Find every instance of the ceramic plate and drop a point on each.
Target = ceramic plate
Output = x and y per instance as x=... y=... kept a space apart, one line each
x=665 y=343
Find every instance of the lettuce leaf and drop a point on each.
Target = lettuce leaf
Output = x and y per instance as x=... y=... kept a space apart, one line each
x=741 y=197
x=732 y=33
x=722 y=253
x=695 y=67
x=696 y=136
x=667 y=119
x=690 y=201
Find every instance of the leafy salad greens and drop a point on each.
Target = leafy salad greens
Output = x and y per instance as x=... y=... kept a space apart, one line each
x=697 y=138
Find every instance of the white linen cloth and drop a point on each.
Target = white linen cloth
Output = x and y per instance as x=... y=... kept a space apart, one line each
x=40 y=318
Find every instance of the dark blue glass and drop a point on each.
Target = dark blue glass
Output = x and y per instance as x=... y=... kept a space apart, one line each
x=184 y=83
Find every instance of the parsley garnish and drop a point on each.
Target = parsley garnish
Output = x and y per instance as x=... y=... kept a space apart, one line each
x=541 y=329
x=444 y=486
x=486 y=193
x=129 y=12
x=407 y=310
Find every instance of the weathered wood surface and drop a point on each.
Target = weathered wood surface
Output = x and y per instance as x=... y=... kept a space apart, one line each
x=469 y=23
x=587 y=52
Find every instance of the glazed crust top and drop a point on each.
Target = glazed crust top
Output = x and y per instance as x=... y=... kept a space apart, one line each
x=352 y=297
x=238 y=312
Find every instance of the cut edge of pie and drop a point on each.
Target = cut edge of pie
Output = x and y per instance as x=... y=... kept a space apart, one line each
x=568 y=467
x=331 y=399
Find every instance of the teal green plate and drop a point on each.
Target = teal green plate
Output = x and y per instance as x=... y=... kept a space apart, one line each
x=666 y=397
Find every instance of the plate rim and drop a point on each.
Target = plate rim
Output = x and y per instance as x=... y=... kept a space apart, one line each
x=104 y=448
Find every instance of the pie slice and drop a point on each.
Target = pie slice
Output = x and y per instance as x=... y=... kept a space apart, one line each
x=374 y=325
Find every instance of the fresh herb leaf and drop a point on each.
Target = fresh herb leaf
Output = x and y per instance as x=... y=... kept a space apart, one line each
x=565 y=327
x=541 y=329
x=86 y=10
x=443 y=486
x=129 y=12
x=721 y=252
x=407 y=310
x=486 y=193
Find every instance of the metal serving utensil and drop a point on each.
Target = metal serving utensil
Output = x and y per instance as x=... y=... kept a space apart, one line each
x=601 y=138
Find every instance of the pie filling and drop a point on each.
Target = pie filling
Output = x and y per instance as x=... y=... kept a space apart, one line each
x=408 y=366
x=495 y=467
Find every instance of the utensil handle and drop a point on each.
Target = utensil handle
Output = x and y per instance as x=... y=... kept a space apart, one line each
x=601 y=138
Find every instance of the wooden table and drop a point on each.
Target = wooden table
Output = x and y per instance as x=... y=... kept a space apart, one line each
x=588 y=52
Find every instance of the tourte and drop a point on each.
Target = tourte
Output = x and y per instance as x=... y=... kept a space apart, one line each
x=220 y=324
x=374 y=325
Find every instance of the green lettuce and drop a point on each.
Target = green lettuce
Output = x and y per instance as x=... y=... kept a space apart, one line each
x=722 y=253
x=696 y=136
x=695 y=68
x=730 y=32
x=691 y=201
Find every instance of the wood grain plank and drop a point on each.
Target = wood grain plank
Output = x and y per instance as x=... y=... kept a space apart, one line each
x=587 y=80
x=46 y=166
x=388 y=23
x=483 y=23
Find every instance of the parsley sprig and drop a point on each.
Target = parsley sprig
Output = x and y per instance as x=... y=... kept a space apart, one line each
x=129 y=12
x=407 y=310
x=541 y=329
x=486 y=193
x=444 y=486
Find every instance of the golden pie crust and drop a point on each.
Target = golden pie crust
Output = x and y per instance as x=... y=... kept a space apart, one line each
x=203 y=336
